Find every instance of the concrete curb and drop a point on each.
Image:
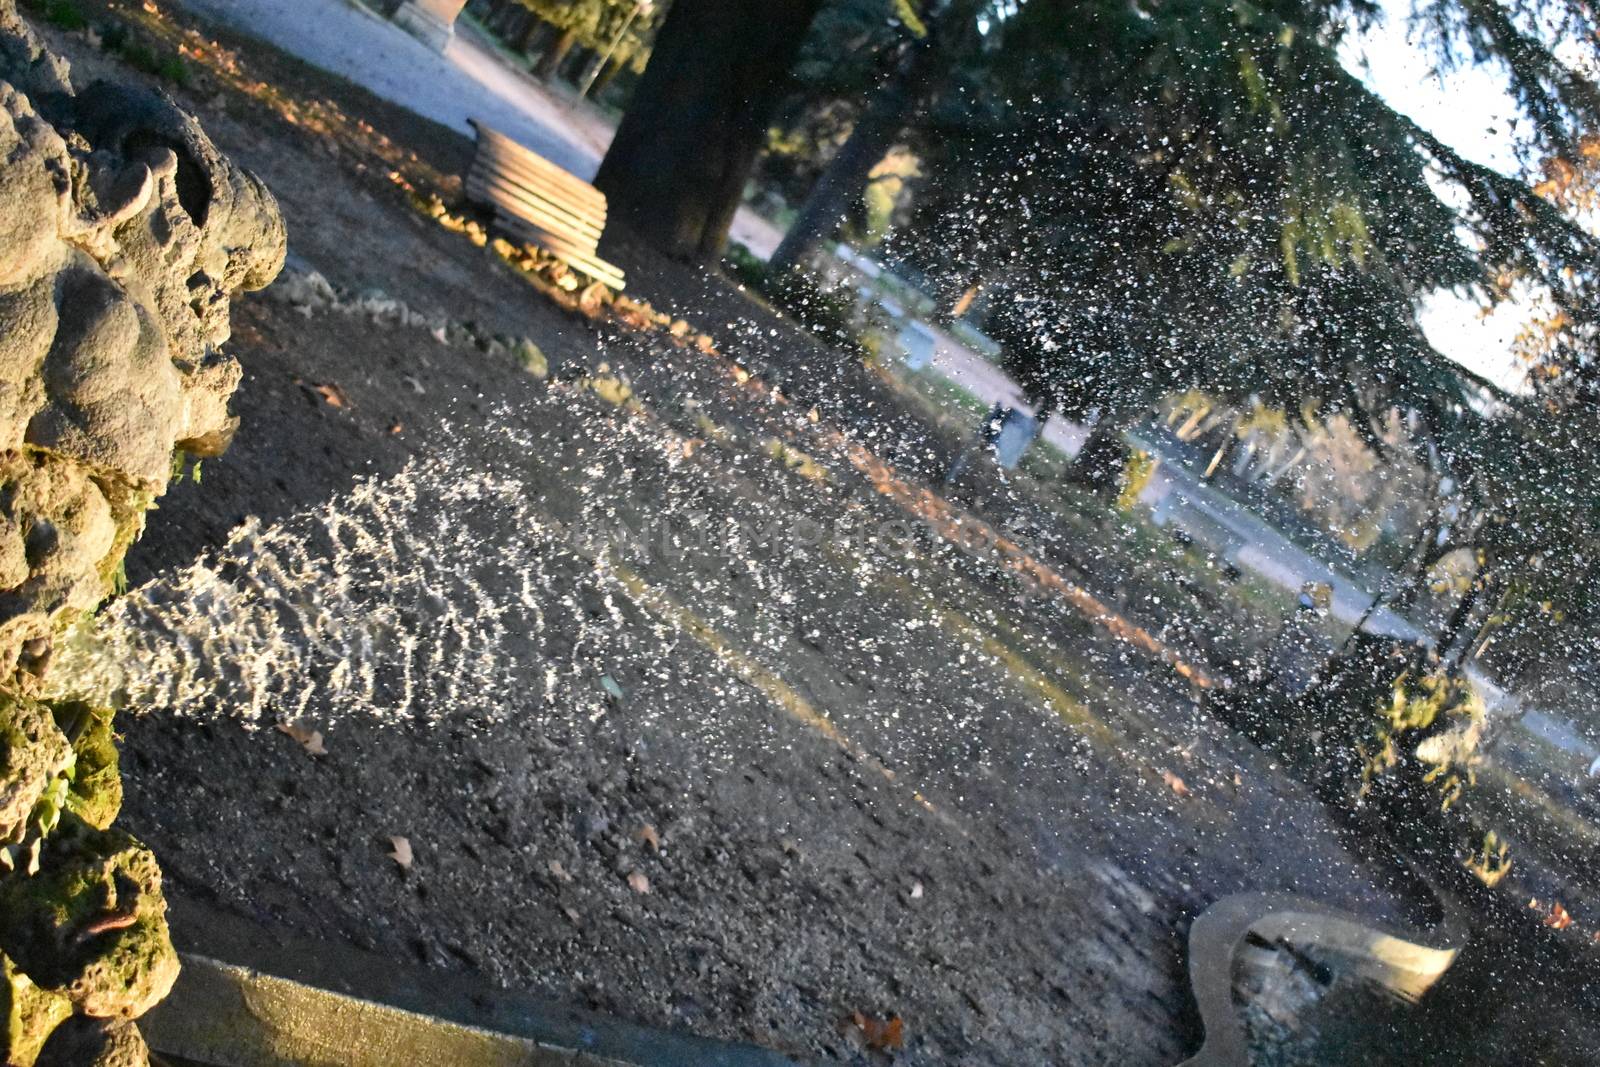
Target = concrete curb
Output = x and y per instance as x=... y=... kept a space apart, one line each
x=249 y=997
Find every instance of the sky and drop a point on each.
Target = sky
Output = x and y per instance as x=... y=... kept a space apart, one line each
x=1469 y=109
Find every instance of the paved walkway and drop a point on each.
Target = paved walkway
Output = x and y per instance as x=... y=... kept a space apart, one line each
x=470 y=80
x=466 y=82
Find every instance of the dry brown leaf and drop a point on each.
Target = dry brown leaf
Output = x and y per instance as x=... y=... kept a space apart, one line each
x=332 y=395
x=647 y=835
x=1175 y=783
x=558 y=870
x=593 y=299
x=884 y=1035
x=638 y=882
x=401 y=851
x=307 y=738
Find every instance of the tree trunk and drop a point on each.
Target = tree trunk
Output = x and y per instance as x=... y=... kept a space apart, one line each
x=495 y=12
x=552 y=57
x=678 y=164
x=533 y=36
x=1099 y=463
x=845 y=178
x=529 y=34
x=1457 y=622
x=576 y=66
x=603 y=79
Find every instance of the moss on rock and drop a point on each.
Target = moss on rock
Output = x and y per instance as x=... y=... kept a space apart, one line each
x=92 y=923
x=30 y=1015
x=34 y=754
x=95 y=794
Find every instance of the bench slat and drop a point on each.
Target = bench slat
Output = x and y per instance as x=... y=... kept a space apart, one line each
x=554 y=197
x=539 y=203
x=590 y=264
x=495 y=145
x=515 y=200
x=557 y=191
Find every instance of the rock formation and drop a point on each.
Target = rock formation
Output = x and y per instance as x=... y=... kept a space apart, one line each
x=123 y=232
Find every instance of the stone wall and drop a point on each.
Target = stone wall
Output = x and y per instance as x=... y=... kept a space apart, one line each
x=123 y=232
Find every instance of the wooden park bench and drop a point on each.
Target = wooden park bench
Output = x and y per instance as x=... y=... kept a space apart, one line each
x=536 y=201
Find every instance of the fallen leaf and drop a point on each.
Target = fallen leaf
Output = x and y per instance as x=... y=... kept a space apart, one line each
x=593 y=299
x=559 y=871
x=884 y=1035
x=638 y=882
x=647 y=835
x=571 y=913
x=308 y=739
x=332 y=395
x=1175 y=783
x=401 y=852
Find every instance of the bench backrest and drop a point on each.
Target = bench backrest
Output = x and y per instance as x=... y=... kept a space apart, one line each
x=539 y=202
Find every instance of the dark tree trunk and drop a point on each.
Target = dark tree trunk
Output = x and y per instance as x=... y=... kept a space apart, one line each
x=495 y=12
x=845 y=178
x=1457 y=626
x=510 y=19
x=529 y=34
x=604 y=78
x=555 y=54
x=1099 y=463
x=576 y=65
x=535 y=37
x=677 y=167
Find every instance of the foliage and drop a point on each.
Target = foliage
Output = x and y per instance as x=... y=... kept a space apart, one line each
x=854 y=47
x=1136 y=475
x=63 y=14
x=1200 y=195
x=829 y=311
x=1440 y=707
x=143 y=55
x=597 y=23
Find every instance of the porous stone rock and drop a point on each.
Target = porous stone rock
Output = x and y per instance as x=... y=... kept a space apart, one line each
x=29 y=1014
x=86 y=1042
x=91 y=924
x=123 y=233
x=33 y=754
x=95 y=792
